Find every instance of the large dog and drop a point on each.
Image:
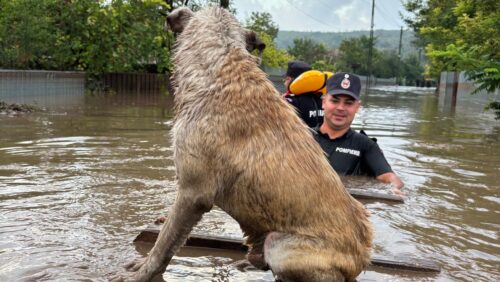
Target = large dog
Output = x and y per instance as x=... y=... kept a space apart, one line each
x=239 y=146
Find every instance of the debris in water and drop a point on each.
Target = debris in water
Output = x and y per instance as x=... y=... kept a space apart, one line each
x=15 y=108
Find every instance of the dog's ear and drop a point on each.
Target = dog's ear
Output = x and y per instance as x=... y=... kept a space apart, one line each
x=253 y=42
x=179 y=18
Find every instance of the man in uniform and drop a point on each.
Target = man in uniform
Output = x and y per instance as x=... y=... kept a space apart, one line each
x=308 y=105
x=349 y=152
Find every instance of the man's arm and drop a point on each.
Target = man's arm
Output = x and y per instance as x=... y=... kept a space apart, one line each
x=376 y=160
x=394 y=180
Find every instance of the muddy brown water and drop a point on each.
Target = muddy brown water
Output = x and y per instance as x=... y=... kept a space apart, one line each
x=77 y=184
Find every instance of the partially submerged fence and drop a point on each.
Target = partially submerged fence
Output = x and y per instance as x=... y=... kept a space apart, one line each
x=137 y=82
x=455 y=92
x=41 y=87
x=61 y=88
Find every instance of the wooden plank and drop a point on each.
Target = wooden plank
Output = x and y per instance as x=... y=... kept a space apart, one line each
x=404 y=264
x=370 y=195
x=150 y=235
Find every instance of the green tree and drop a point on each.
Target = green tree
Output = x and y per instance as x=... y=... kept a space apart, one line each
x=94 y=36
x=138 y=36
x=460 y=35
x=196 y=5
x=386 y=64
x=411 y=69
x=262 y=22
x=353 y=55
x=263 y=25
x=24 y=33
x=124 y=36
x=272 y=56
x=324 y=65
x=309 y=51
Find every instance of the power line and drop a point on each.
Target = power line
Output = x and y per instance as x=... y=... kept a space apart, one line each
x=386 y=16
x=326 y=5
x=314 y=18
x=398 y=23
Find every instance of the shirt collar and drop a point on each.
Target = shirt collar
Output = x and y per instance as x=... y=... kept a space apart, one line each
x=347 y=134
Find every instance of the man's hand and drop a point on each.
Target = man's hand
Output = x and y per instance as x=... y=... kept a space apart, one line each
x=398 y=192
x=394 y=180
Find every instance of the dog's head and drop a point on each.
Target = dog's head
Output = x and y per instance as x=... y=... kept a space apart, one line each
x=254 y=42
x=180 y=17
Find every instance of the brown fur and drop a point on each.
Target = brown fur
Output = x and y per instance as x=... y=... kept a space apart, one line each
x=239 y=146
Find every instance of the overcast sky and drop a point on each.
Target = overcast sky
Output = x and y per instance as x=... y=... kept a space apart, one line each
x=325 y=15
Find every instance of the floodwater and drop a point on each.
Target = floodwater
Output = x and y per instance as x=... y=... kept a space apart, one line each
x=77 y=185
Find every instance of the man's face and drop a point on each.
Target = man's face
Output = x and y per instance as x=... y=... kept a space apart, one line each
x=286 y=81
x=339 y=110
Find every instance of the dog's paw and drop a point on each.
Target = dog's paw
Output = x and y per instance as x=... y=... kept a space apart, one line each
x=243 y=265
x=135 y=265
x=257 y=260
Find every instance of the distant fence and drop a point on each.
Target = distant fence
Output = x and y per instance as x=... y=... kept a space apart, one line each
x=62 y=88
x=377 y=81
x=42 y=87
x=455 y=92
x=137 y=82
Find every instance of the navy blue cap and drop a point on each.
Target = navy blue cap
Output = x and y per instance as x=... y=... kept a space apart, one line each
x=296 y=68
x=344 y=83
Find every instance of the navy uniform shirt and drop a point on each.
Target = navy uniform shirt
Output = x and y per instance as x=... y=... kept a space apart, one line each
x=308 y=106
x=353 y=154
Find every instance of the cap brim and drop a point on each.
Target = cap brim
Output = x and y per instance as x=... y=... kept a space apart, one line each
x=343 y=92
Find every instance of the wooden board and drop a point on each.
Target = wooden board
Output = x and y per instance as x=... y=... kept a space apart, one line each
x=370 y=195
x=150 y=235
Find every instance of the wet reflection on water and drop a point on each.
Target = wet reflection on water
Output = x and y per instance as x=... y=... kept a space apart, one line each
x=77 y=184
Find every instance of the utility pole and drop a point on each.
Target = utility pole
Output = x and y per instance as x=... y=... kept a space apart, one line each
x=370 y=51
x=398 y=79
x=224 y=3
